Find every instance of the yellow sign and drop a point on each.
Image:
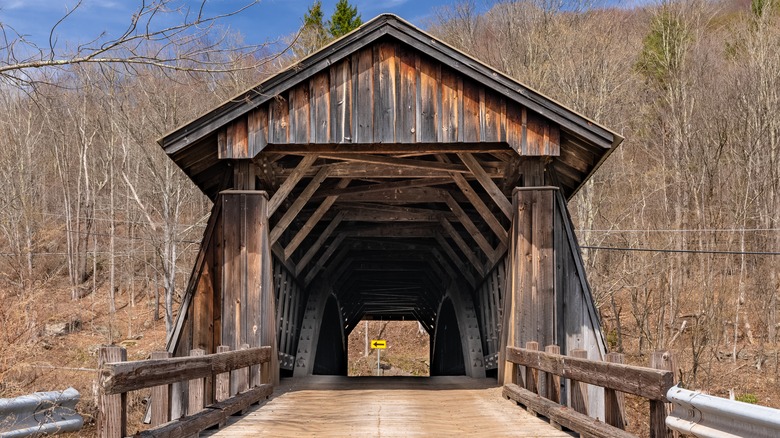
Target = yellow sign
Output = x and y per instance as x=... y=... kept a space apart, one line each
x=379 y=343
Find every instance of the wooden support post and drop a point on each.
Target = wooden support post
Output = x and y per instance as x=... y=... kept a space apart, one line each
x=614 y=401
x=553 y=381
x=222 y=390
x=196 y=392
x=248 y=308
x=532 y=374
x=160 y=399
x=579 y=390
x=530 y=304
x=660 y=360
x=112 y=412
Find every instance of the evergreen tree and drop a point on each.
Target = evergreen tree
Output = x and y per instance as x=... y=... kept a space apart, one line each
x=313 y=34
x=344 y=19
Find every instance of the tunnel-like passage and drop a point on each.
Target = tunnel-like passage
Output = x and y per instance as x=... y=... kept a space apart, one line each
x=388 y=176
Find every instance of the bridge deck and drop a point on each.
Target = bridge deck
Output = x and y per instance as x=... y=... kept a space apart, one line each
x=387 y=406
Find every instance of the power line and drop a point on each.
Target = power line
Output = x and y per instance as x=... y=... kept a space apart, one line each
x=684 y=251
x=704 y=230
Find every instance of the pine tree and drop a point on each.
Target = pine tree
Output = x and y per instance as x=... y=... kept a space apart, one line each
x=344 y=19
x=313 y=34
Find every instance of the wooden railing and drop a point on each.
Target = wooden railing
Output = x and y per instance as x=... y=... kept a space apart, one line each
x=234 y=379
x=539 y=388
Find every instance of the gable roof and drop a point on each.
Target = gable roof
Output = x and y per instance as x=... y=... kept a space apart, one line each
x=578 y=130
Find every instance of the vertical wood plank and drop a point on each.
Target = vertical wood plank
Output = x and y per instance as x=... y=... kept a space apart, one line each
x=320 y=108
x=202 y=317
x=471 y=113
x=364 y=97
x=450 y=91
x=299 y=113
x=385 y=104
x=614 y=401
x=341 y=102
x=196 y=392
x=222 y=389
x=231 y=271
x=535 y=128
x=279 y=121
x=257 y=130
x=661 y=360
x=254 y=222
x=514 y=126
x=239 y=378
x=553 y=381
x=112 y=409
x=552 y=140
x=492 y=117
x=428 y=102
x=532 y=374
x=579 y=390
x=160 y=396
x=407 y=100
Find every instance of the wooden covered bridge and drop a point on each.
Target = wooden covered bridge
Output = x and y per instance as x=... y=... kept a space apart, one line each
x=388 y=176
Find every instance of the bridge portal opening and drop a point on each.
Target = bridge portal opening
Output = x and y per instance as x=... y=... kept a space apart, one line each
x=406 y=349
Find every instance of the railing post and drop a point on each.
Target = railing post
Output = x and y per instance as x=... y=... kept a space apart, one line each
x=579 y=390
x=239 y=379
x=614 y=401
x=553 y=381
x=160 y=396
x=222 y=391
x=661 y=360
x=196 y=390
x=112 y=409
x=531 y=374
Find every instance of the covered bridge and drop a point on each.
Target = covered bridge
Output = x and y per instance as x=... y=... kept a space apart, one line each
x=389 y=176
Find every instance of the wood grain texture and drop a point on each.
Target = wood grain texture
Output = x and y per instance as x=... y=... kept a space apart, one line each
x=159 y=400
x=332 y=406
x=562 y=415
x=119 y=377
x=645 y=382
x=112 y=409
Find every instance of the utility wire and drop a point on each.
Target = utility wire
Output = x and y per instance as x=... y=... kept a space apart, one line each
x=685 y=251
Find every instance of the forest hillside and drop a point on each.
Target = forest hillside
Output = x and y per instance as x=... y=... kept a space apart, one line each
x=680 y=227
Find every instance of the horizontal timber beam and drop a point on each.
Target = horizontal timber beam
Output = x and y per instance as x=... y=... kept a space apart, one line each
x=387 y=148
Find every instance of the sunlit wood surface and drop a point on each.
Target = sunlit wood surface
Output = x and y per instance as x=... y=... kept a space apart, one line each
x=387 y=406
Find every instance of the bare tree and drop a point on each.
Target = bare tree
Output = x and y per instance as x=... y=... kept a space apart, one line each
x=178 y=47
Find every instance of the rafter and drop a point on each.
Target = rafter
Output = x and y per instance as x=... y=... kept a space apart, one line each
x=490 y=187
x=300 y=236
x=478 y=204
x=322 y=260
x=464 y=247
x=289 y=183
x=298 y=204
x=318 y=243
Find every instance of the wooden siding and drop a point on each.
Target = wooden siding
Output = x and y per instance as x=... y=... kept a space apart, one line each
x=389 y=93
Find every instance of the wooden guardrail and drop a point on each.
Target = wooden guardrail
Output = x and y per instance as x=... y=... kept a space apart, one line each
x=237 y=379
x=539 y=388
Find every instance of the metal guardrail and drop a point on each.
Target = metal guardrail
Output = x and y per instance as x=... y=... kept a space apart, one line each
x=706 y=416
x=40 y=413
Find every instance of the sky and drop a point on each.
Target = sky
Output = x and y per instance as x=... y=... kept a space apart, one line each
x=267 y=21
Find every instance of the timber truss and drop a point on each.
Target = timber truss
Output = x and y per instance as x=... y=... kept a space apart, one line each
x=389 y=176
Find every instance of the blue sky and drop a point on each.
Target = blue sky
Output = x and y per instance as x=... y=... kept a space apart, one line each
x=267 y=21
